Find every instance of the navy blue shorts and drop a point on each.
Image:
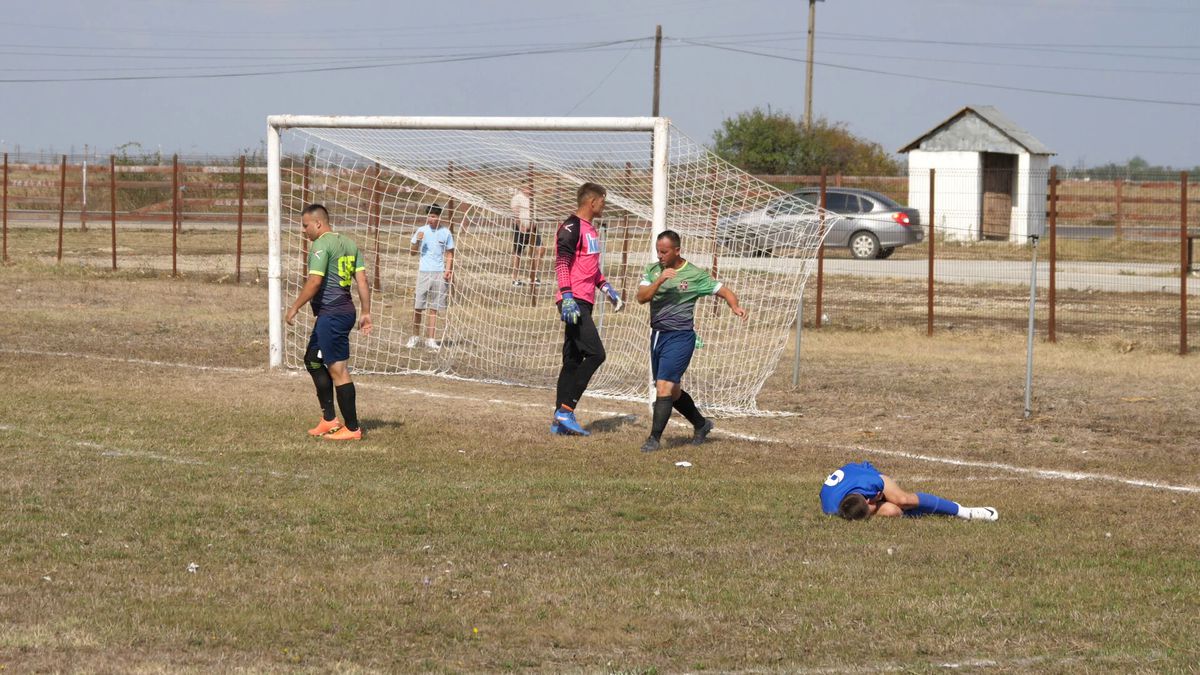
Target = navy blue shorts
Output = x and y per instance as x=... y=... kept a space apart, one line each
x=670 y=353
x=331 y=335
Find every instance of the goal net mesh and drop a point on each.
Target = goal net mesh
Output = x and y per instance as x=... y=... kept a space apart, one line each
x=378 y=184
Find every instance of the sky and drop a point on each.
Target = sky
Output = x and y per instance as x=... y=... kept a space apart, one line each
x=1097 y=81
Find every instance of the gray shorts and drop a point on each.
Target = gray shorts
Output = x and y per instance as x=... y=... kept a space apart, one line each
x=431 y=291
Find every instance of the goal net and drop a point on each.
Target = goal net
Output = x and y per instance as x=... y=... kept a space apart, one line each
x=497 y=178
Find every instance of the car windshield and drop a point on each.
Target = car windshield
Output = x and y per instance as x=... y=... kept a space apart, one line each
x=886 y=201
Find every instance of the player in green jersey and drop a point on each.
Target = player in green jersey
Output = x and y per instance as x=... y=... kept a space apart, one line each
x=672 y=286
x=334 y=265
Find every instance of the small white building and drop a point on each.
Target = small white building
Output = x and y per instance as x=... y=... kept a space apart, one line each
x=990 y=181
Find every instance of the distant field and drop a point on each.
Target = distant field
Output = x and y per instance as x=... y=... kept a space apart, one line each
x=142 y=435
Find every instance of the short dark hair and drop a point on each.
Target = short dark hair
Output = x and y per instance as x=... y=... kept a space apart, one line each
x=854 y=507
x=589 y=190
x=671 y=235
x=319 y=211
x=433 y=210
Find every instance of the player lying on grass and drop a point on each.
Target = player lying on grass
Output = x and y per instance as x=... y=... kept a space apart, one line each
x=859 y=491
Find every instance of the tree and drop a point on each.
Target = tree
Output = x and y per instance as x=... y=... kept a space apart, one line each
x=768 y=142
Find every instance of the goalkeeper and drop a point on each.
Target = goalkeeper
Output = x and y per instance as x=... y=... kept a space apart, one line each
x=858 y=491
x=577 y=269
x=334 y=264
x=672 y=286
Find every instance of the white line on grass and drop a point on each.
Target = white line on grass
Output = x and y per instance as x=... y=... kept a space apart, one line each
x=1049 y=474
x=106 y=451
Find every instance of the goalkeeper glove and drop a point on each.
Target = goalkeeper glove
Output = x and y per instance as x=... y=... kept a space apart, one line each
x=570 y=309
x=613 y=297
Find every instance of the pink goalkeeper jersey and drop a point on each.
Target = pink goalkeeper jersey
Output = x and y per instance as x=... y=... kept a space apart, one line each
x=577 y=260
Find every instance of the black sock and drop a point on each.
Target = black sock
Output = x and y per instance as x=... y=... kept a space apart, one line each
x=662 y=413
x=324 y=385
x=345 y=396
x=687 y=407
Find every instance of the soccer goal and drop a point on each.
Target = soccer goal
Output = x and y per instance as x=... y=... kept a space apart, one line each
x=504 y=185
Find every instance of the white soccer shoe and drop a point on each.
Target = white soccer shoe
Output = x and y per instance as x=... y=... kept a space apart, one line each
x=983 y=513
x=412 y=342
x=431 y=344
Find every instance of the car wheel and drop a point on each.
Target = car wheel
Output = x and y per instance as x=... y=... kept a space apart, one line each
x=864 y=245
x=885 y=253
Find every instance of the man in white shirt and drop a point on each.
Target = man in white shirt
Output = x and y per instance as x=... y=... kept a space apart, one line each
x=525 y=235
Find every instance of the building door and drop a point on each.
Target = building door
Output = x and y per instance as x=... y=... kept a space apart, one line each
x=999 y=181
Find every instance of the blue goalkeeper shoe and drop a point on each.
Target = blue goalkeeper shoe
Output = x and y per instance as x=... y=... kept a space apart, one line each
x=568 y=425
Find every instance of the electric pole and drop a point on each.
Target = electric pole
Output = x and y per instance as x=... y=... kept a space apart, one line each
x=657 y=65
x=812 y=27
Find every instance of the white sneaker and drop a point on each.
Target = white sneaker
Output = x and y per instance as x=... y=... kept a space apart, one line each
x=429 y=342
x=983 y=513
x=412 y=342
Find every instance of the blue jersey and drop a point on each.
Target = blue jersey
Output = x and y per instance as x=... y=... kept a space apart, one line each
x=861 y=478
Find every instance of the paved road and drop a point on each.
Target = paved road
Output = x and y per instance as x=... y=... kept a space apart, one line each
x=1081 y=276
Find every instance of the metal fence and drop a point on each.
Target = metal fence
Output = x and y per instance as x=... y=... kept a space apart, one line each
x=1114 y=253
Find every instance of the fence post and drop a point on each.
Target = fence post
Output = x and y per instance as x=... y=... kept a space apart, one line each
x=1054 y=249
x=62 y=205
x=83 y=194
x=1183 y=266
x=6 y=207
x=1119 y=184
x=175 y=215
x=112 y=201
x=241 y=212
x=932 y=242
x=821 y=255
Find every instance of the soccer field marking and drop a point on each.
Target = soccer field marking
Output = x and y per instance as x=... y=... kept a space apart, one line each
x=108 y=451
x=1047 y=474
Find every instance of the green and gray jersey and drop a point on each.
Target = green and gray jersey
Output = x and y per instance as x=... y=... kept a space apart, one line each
x=336 y=258
x=673 y=306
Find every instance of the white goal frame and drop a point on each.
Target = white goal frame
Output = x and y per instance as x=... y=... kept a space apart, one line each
x=658 y=126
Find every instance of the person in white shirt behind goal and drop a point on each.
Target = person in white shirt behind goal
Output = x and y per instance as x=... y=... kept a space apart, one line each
x=525 y=235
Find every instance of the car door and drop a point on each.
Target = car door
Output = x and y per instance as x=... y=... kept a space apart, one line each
x=846 y=207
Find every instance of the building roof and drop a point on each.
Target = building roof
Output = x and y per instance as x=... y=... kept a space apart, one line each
x=996 y=120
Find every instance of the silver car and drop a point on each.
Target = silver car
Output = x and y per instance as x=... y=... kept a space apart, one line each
x=871 y=225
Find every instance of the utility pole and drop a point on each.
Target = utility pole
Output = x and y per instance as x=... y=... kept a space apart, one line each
x=657 y=65
x=812 y=27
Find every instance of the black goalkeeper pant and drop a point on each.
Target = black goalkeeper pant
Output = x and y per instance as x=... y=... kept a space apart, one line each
x=582 y=354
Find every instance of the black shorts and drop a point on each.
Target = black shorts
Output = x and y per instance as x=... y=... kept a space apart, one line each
x=524 y=239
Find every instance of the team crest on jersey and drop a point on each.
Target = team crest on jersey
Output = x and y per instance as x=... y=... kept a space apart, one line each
x=683 y=285
x=591 y=243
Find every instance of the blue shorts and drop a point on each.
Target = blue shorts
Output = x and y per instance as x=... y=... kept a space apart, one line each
x=331 y=336
x=670 y=353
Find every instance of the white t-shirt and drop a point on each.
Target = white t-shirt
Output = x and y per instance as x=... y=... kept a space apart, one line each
x=521 y=209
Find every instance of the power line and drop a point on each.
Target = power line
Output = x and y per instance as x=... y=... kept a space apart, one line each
x=329 y=68
x=1130 y=99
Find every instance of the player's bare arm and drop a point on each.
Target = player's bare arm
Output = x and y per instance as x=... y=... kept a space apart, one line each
x=311 y=286
x=364 y=301
x=416 y=245
x=726 y=293
x=449 y=265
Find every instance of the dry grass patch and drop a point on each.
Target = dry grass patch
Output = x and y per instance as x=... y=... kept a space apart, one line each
x=461 y=536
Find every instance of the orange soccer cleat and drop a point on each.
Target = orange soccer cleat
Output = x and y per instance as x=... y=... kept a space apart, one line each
x=325 y=427
x=345 y=434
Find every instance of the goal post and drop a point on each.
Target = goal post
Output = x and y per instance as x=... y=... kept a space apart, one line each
x=379 y=176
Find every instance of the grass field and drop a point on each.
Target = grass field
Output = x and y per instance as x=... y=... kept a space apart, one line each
x=142 y=435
